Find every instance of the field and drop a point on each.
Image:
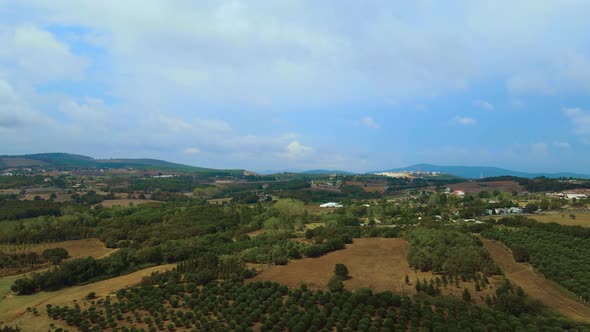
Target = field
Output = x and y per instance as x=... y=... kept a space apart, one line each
x=536 y=286
x=75 y=248
x=563 y=218
x=477 y=186
x=13 y=309
x=376 y=263
x=125 y=202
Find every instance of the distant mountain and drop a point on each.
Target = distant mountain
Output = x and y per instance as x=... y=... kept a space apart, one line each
x=308 y=172
x=475 y=172
x=73 y=161
x=327 y=171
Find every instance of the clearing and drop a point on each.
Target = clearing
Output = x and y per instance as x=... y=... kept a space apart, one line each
x=536 y=286
x=376 y=263
x=125 y=202
x=477 y=186
x=13 y=309
x=563 y=218
x=76 y=248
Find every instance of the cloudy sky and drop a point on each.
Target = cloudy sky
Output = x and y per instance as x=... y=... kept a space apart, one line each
x=356 y=85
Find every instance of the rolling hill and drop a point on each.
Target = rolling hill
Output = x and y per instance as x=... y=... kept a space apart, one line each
x=474 y=172
x=68 y=161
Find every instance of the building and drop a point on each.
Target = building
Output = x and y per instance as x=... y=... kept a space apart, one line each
x=576 y=196
x=331 y=205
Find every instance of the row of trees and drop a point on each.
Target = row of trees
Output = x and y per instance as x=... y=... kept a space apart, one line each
x=562 y=258
x=172 y=304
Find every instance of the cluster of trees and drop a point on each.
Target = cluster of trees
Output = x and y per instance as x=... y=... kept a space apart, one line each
x=14 y=209
x=173 y=304
x=450 y=252
x=335 y=284
x=560 y=257
x=28 y=260
x=552 y=227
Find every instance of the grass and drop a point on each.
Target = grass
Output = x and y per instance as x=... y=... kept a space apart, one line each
x=563 y=218
x=13 y=309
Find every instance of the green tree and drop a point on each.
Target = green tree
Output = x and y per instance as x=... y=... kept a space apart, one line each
x=341 y=271
x=335 y=284
x=466 y=295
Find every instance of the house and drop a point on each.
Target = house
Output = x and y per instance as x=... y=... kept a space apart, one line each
x=163 y=176
x=459 y=193
x=576 y=196
x=515 y=210
x=331 y=205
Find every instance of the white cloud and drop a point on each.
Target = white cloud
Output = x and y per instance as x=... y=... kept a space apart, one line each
x=39 y=55
x=483 y=105
x=192 y=151
x=369 y=123
x=580 y=120
x=561 y=145
x=539 y=148
x=464 y=121
x=296 y=150
x=14 y=111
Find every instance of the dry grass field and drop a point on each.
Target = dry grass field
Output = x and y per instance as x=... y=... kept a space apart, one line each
x=125 y=202
x=13 y=309
x=536 y=286
x=477 y=186
x=376 y=263
x=76 y=248
x=563 y=218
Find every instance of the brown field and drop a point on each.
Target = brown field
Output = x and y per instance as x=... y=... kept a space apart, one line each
x=563 y=218
x=476 y=186
x=13 y=309
x=60 y=197
x=369 y=186
x=376 y=263
x=536 y=286
x=76 y=249
x=125 y=202
x=220 y=201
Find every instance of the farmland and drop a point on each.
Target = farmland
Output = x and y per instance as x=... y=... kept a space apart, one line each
x=271 y=239
x=477 y=186
x=376 y=263
x=13 y=309
x=565 y=218
x=75 y=248
x=536 y=286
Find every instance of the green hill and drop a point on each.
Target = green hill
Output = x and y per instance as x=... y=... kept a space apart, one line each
x=68 y=161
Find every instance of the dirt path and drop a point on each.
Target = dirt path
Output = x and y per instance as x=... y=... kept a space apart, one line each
x=536 y=286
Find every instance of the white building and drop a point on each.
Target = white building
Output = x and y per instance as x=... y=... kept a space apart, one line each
x=576 y=196
x=331 y=205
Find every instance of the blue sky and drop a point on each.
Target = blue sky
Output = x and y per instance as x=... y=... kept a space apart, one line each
x=300 y=84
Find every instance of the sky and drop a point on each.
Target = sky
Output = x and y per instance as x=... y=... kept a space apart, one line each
x=274 y=85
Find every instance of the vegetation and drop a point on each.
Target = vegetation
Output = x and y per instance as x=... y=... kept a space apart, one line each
x=166 y=301
x=560 y=257
x=449 y=252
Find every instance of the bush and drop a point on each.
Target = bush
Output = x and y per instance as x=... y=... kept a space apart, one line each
x=335 y=284
x=341 y=270
x=55 y=255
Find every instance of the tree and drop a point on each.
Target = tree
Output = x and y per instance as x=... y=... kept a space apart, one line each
x=341 y=270
x=55 y=255
x=520 y=254
x=335 y=284
x=466 y=295
x=24 y=286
